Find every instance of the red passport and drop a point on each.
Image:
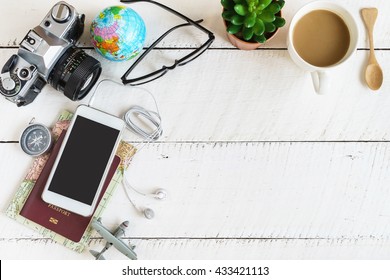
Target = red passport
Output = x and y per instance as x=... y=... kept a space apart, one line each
x=61 y=221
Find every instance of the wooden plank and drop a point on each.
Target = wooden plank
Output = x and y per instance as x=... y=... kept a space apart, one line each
x=242 y=155
x=158 y=21
x=243 y=99
x=209 y=249
x=243 y=190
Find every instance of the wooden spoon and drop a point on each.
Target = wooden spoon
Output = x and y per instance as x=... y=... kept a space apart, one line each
x=374 y=74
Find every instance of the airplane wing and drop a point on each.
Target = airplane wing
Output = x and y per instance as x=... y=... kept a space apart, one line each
x=117 y=243
x=97 y=255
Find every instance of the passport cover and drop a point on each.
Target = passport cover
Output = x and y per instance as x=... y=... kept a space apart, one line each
x=61 y=221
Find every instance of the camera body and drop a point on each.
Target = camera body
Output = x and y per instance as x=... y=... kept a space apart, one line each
x=48 y=54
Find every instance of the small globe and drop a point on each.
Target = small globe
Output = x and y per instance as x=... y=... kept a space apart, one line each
x=118 y=33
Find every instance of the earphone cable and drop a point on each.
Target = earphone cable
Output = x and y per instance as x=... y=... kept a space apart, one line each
x=129 y=198
x=153 y=117
x=126 y=184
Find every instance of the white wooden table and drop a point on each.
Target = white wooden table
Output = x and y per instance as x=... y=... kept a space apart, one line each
x=256 y=164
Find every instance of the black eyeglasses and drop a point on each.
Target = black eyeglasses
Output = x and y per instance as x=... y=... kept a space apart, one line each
x=178 y=62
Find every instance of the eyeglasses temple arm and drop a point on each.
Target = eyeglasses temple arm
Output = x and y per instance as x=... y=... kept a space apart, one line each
x=211 y=35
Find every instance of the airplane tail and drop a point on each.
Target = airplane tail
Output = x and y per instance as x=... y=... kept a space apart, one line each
x=97 y=255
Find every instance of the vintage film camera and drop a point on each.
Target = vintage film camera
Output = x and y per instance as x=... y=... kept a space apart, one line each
x=48 y=55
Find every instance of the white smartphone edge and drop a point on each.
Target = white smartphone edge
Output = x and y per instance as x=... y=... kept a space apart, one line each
x=67 y=203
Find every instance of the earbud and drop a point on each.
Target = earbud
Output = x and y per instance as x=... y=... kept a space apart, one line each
x=148 y=213
x=159 y=194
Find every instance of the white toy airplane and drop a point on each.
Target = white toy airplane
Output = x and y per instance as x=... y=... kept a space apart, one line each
x=113 y=239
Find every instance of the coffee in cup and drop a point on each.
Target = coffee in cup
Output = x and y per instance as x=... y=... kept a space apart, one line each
x=321 y=36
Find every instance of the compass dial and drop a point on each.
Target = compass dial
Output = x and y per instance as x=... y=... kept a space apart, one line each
x=36 y=139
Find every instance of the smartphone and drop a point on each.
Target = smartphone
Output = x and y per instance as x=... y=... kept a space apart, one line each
x=83 y=161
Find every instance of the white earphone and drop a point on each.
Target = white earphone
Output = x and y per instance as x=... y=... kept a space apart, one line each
x=159 y=194
x=154 y=120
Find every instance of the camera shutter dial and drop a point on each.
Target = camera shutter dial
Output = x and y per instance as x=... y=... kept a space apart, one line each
x=61 y=13
x=9 y=84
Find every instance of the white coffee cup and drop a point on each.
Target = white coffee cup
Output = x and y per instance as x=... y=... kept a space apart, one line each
x=320 y=80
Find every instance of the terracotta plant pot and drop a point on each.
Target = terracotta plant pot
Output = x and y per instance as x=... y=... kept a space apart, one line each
x=245 y=45
x=241 y=44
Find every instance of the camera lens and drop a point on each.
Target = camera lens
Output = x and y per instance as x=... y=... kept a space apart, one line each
x=75 y=73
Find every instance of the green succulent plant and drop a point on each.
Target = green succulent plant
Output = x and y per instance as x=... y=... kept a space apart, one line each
x=252 y=20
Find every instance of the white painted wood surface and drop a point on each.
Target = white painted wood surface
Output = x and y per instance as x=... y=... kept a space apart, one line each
x=257 y=166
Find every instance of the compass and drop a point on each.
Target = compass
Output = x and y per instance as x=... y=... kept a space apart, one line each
x=36 y=139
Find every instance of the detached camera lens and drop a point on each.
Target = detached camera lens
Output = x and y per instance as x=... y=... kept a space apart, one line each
x=75 y=73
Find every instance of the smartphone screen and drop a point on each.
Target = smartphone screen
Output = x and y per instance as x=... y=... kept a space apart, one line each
x=84 y=159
